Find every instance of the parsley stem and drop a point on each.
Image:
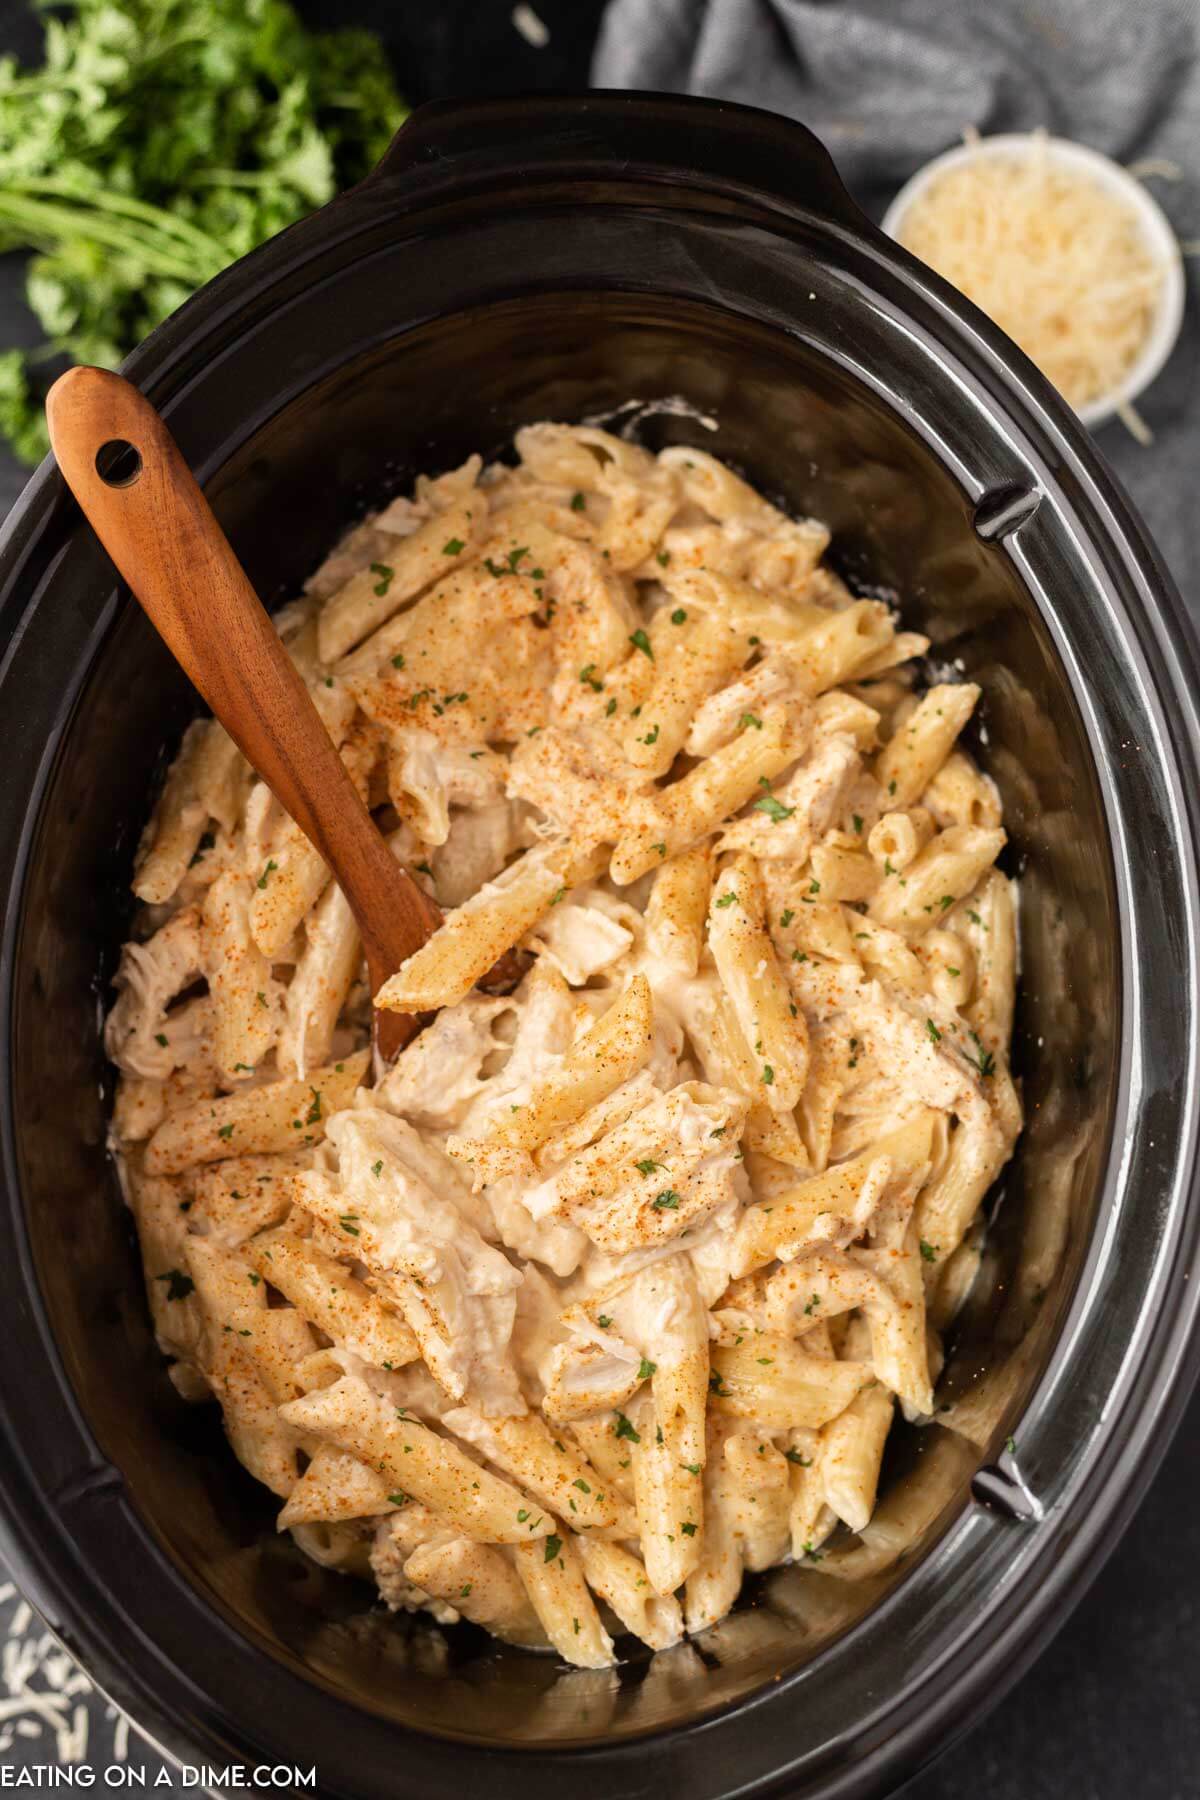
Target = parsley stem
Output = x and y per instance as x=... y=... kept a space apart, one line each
x=48 y=223
x=106 y=200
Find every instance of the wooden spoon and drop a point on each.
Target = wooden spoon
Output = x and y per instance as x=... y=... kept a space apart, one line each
x=142 y=501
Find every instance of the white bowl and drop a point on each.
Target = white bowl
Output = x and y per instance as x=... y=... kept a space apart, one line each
x=1160 y=339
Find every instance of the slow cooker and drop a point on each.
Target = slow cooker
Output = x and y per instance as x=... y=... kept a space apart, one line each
x=669 y=265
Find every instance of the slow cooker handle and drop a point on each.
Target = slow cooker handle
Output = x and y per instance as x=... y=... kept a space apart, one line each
x=757 y=157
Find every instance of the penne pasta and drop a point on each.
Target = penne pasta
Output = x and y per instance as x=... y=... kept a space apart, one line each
x=608 y=1290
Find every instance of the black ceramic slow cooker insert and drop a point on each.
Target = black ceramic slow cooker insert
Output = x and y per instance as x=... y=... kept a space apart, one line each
x=558 y=258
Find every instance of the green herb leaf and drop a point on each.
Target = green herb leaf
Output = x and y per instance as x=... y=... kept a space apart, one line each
x=624 y=1429
x=774 y=809
x=641 y=642
x=646 y=1370
x=158 y=144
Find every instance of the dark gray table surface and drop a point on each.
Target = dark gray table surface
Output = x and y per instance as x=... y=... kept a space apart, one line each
x=1112 y=1707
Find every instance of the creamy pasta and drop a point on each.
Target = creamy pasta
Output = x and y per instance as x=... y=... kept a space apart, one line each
x=609 y=1288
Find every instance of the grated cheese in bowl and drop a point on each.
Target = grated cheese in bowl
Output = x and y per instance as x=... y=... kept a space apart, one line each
x=1064 y=249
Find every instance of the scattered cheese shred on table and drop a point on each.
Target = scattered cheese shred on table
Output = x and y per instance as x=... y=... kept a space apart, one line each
x=1058 y=260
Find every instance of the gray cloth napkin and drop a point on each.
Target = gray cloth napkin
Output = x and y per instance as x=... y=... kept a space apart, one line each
x=887 y=84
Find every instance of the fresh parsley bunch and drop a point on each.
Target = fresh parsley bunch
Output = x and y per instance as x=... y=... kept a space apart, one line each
x=161 y=140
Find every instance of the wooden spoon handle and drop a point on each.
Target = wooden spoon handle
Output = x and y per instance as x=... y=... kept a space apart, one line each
x=159 y=530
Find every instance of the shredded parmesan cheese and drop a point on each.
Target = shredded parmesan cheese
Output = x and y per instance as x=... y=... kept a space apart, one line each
x=1058 y=260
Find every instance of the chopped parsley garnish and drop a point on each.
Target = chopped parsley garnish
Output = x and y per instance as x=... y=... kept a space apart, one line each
x=160 y=1037
x=651 y=736
x=1010 y=1444
x=716 y=1385
x=603 y=1321
x=522 y=1515
x=624 y=1428
x=577 y=502
x=314 y=1111
x=453 y=547
x=648 y=1165
x=641 y=642
x=812 y=1306
x=267 y=873
x=385 y=575
x=688 y=1529
x=667 y=1201
x=692 y=1468
x=726 y=899
x=935 y=1035
x=555 y=898
x=225 y=1131
x=679 y=615
x=581 y=1484
x=646 y=1370
x=768 y=1075
x=179 y=1285
x=397 y=1499
x=661 y=848
x=928 y=1251
x=398 y=660
x=610 y=709
x=553 y=1547
x=975 y=918
x=207 y=840
x=377 y=1167
x=589 y=678
x=801 y=1462
x=774 y=809
x=749 y=719
x=856 y=819
x=945 y=901
x=813 y=1555
x=786 y=917
x=986 y=1063
x=346 y=1221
